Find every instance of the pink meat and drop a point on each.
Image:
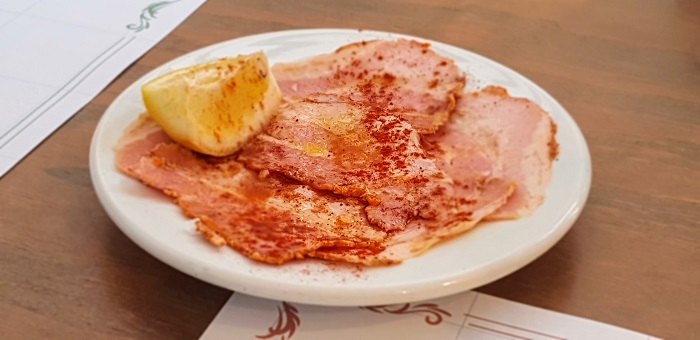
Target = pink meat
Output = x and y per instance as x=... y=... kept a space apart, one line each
x=138 y=140
x=265 y=219
x=363 y=162
x=272 y=220
x=355 y=151
x=493 y=134
x=420 y=234
x=403 y=77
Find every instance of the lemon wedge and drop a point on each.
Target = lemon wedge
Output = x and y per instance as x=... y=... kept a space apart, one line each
x=213 y=108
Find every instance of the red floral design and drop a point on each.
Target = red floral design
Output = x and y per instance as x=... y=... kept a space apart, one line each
x=286 y=324
x=434 y=312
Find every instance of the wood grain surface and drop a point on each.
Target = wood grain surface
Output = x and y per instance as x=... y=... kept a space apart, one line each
x=627 y=70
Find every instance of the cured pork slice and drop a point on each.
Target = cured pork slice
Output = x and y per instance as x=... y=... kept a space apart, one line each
x=266 y=219
x=348 y=149
x=493 y=134
x=363 y=163
x=274 y=220
x=353 y=150
x=403 y=77
x=422 y=234
x=490 y=135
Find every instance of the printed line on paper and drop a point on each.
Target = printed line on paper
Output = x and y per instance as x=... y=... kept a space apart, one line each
x=89 y=68
x=513 y=327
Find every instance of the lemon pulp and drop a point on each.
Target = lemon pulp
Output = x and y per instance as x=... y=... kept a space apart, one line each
x=215 y=107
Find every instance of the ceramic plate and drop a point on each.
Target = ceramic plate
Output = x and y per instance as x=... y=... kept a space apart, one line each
x=485 y=254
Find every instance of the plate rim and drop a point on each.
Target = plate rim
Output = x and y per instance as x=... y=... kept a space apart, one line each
x=389 y=294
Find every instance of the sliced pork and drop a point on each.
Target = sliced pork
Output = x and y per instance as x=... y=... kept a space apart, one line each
x=422 y=234
x=403 y=77
x=374 y=157
x=273 y=220
x=353 y=150
x=493 y=134
x=266 y=219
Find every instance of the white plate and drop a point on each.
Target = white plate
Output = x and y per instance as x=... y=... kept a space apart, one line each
x=485 y=254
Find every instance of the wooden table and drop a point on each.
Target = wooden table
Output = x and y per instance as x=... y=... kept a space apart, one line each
x=627 y=70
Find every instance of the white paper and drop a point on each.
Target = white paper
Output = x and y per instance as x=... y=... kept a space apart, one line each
x=57 y=55
x=468 y=315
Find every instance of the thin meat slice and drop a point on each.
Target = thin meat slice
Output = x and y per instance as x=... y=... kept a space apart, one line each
x=403 y=77
x=355 y=151
x=266 y=219
x=493 y=134
x=420 y=234
x=138 y=140
x=348 y=149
